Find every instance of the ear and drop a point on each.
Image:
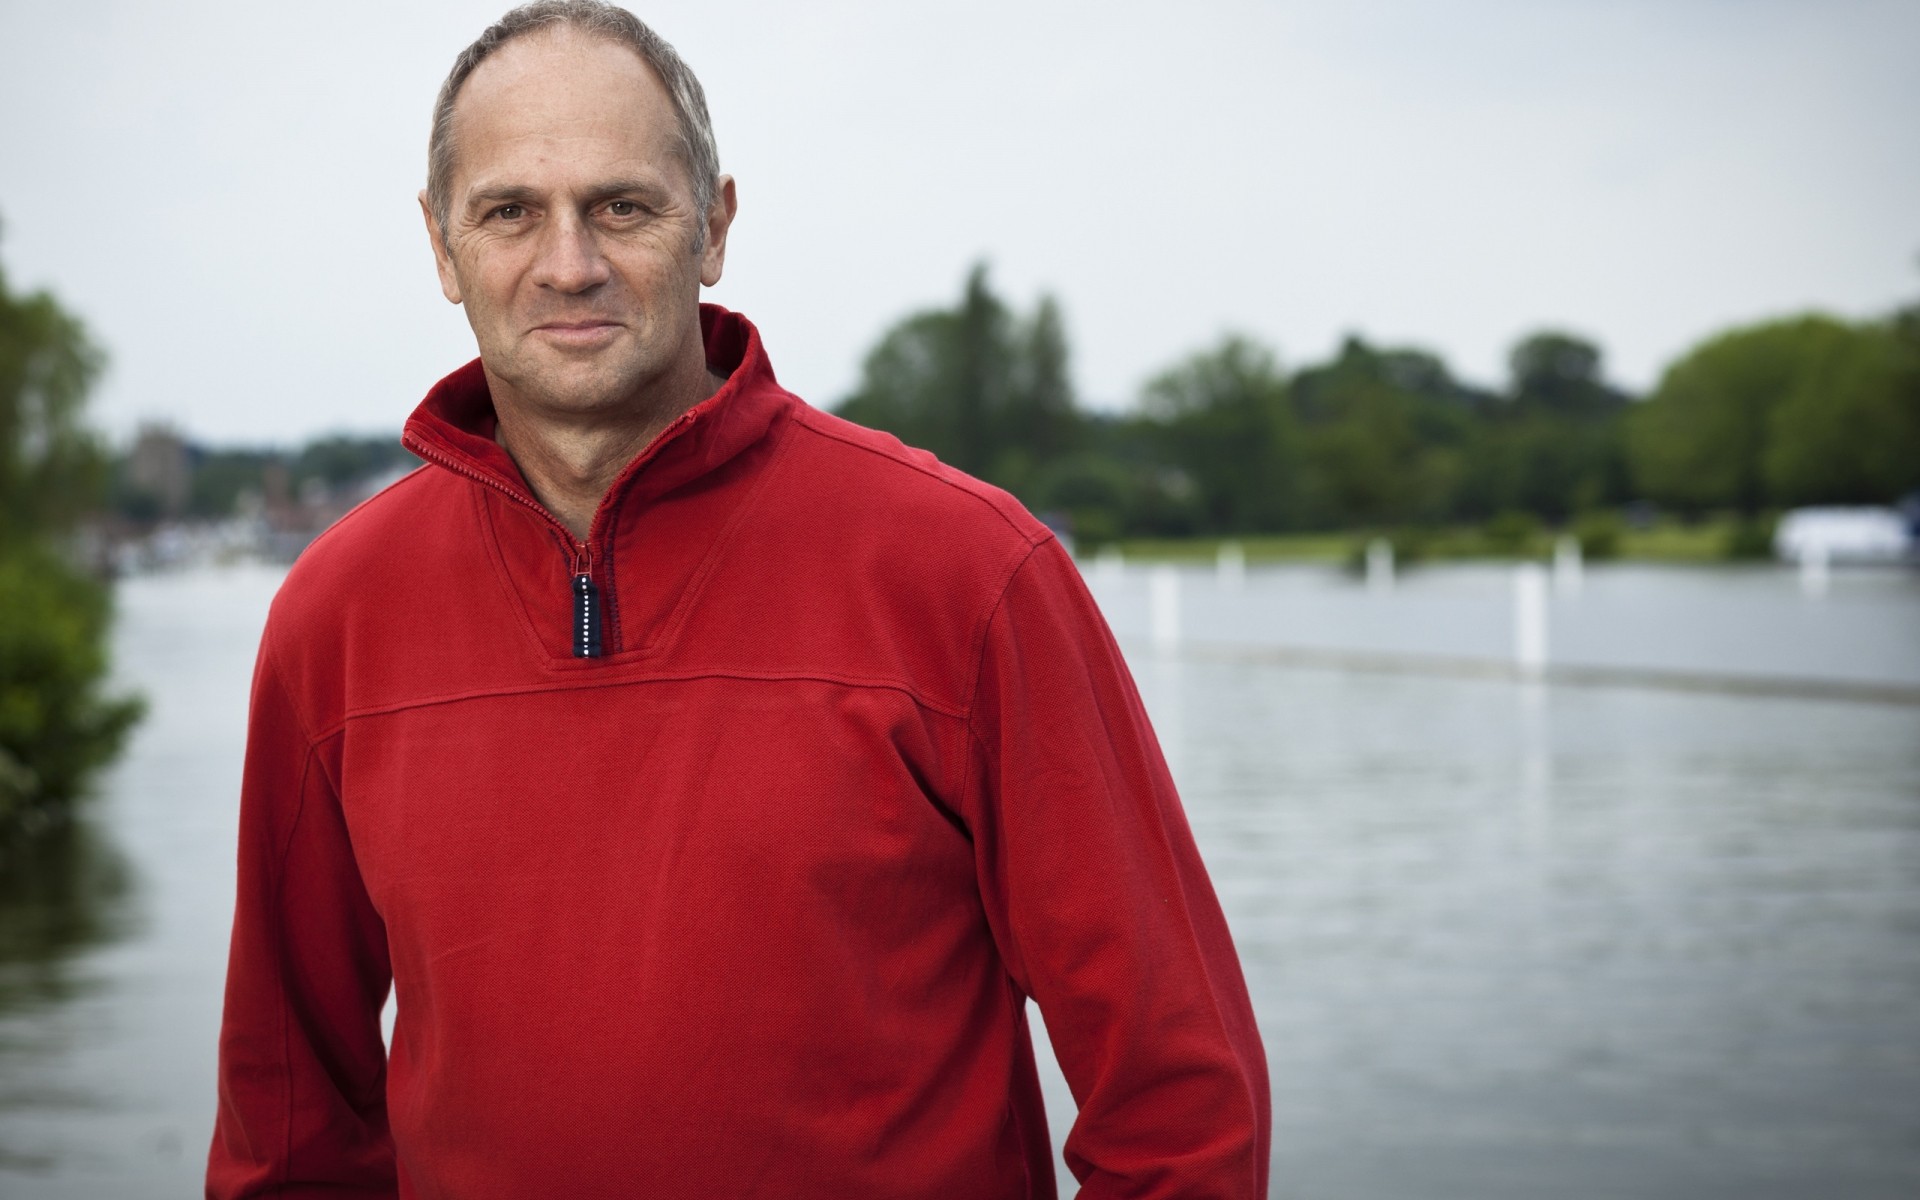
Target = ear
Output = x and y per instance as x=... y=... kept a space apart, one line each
x=719 y=220
x=442 y=260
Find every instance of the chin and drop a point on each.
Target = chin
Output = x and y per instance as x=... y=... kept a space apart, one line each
x=579 y=390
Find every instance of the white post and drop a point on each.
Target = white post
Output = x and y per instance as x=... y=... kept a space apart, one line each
x=1814 y=576
x=1163 y=608
x=1231 y=563
x=1379 y=565
x=1568 y=570
x=1530 y=620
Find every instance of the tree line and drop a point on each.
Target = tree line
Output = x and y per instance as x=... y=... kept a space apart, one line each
x=1805 y=410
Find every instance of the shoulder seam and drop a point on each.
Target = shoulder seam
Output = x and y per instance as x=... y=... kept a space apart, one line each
x=271 y=662
x=986 y=627
x=980 y=662
x=805 y=421
x=361 y=507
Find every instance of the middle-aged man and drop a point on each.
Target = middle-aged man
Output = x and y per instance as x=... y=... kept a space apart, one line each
x=714 y=781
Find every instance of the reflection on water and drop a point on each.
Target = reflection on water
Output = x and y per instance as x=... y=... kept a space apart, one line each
x=110 y=1090
x=1519 y=942
x=64 y=893
x=1505 y=940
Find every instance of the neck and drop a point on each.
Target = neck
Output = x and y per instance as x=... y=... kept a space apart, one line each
x=571 y=460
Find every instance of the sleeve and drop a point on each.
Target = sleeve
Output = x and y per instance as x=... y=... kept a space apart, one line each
x=1102 y=908
x=302 y=1062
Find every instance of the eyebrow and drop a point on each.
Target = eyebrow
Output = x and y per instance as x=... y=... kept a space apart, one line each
x=509 y=193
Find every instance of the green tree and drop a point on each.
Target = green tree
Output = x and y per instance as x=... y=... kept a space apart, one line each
x=1382 y=439
x=1560 y=373
x=1805 y=410
x=51 y=466
x=986 y=390
x=1560 y=429
x=55 y=724
x=1846 y=431
x=1039 y=422
x=1223 y=419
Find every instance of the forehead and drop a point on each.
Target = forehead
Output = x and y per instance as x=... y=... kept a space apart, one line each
x=561 y=100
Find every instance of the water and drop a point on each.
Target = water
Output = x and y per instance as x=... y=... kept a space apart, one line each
x=1505 y=940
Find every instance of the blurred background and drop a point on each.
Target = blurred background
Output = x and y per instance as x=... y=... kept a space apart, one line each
x=1492 y=429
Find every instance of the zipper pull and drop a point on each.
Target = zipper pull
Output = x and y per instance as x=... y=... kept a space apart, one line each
x=586 y=610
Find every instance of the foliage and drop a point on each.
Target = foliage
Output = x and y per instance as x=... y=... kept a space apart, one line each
x=1601 y=535
x=1801 y=411
x=1222 y=416
x=51 y=466
x=1384 y=437
x=985 y=390
x=1225 y=442
x=1513 y=533
x=1749 y=538
x=55 y=724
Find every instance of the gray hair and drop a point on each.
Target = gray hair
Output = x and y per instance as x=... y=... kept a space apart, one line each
x=598 y=19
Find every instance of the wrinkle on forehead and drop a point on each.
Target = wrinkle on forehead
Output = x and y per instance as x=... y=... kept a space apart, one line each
x=550 y=94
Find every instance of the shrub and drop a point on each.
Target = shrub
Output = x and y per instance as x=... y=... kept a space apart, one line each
x=56 y=726
x=1513 y=533
x=1600 y=534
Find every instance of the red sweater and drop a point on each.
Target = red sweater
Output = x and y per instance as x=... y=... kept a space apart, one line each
x=748 y=904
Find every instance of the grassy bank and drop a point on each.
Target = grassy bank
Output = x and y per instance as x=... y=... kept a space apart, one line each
x=1718 y=539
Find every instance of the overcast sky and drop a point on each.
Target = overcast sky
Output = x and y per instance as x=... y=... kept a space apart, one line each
x=225 y=191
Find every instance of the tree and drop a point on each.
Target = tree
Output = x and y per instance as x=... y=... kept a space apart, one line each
x=1560 y=428
x=1806 y=410
x=982 y=388
x=55 y=724
x=51 y=466
x=1845 y=431
x=1223 y=418
x=1382 y=437
x=1561 y=373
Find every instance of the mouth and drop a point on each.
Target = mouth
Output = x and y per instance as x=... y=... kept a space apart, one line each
x=578 y=333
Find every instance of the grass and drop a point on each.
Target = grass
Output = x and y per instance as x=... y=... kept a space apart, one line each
x=1259 y=548
x=1675 y=541
x=1666 y=540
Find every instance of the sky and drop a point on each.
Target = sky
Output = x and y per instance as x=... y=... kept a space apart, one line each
x=224 y=192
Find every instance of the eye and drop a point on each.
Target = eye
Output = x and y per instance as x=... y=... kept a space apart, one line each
x=622 y=208
x=510 y=212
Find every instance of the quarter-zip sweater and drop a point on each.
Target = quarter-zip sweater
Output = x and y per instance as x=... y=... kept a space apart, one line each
x=742 y=891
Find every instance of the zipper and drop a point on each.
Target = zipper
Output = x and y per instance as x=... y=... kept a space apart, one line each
x=588 y=610
x=587 y=614
x=586 y=606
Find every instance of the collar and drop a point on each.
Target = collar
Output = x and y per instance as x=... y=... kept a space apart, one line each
x=453 y=427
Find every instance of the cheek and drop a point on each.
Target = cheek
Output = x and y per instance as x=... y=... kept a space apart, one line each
x=489 y=274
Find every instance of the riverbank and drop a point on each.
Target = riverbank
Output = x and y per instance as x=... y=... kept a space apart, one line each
x=1718 y=539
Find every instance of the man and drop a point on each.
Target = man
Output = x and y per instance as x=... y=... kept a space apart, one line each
x=712 y=780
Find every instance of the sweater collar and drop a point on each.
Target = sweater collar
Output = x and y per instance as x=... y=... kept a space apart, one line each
x=454 y=426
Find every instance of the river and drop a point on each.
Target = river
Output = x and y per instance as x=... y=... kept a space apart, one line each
x=1652 y=933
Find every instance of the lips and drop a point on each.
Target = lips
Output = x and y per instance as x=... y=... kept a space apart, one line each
x=588 y=332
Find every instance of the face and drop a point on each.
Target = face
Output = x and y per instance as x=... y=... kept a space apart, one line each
x=572 y=235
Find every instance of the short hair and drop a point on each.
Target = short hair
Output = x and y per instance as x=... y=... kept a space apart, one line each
x=598 y=19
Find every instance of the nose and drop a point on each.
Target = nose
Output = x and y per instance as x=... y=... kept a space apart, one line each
x=570 y=260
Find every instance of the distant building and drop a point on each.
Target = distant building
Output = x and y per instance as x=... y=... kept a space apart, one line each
x=161 y=466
